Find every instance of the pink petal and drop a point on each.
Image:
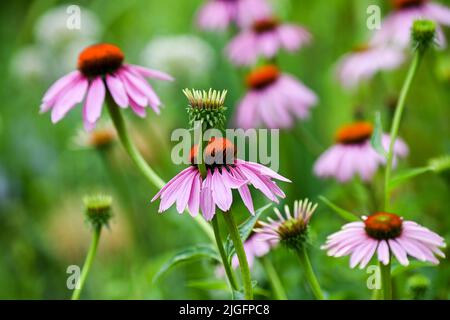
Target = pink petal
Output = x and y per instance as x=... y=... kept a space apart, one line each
x=94 y=100
x=117 y=90
x=72 y=96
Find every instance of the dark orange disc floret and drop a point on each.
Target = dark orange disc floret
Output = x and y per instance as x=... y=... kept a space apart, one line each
x=262 y=76
x=218 y=151
x=265 y=25
x=354 y=133
x=383 y=225
x=100 y=59
x=404 y=4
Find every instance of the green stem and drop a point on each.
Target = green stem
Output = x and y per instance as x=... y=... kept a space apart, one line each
x=386 y=280
x=309 y=273
x=130 y=147
x=87 y=263
x=274 y=279
x=396 y=123
x=223 y=255
x=240 y=252
x=139 y=161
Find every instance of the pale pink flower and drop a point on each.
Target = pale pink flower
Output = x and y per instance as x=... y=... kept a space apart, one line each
x=265 y=38
x=255 y=247
x=354 y=155
x=383 y=234
x=189 y=190
x=396 y=27
x=364 y=62
x=217 y=15
x=101 y=69
x=274 y=100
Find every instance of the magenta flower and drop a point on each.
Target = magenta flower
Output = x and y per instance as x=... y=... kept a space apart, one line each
x=189 y=190
x=364 y=62
x=396 y=27
x=101 y=68
x=290 y=228
x=381 y=234
x=217 y=15
x=354 y=155
x=274 y=100
x=265 y=38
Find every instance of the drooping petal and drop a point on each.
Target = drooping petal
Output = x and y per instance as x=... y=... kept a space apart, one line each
x=117 y=90
x=72 y=97
x=94 y=100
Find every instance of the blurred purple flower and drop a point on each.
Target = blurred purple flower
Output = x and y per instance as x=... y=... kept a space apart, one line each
x=97 y=65
x=217 y=15
x=265 y=38
x=396 y=27
x=354 y=155
x=364 y=62
x=382 y=234
x=189 y=190
x=274 y=100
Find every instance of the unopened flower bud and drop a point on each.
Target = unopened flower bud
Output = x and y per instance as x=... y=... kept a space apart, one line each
x=206 y=107
x=98 y=210
x=423 y=34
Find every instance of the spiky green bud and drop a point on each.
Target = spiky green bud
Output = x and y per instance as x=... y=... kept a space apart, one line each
x=98 y=209
x=206 y=107
x=423 y=34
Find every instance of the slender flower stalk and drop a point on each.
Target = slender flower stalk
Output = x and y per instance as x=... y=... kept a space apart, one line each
x=274 y=279
x=423 y=35
x=98 y=214
x=386 y=281
x=223 y=255
x=396 y=123
x=87 y=263
x=240 y=252
x=139 y=161
x=309 y=272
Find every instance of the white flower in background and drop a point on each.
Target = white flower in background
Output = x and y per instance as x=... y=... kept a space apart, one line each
x=28 y=63
x=52 y=27
x=183 y=56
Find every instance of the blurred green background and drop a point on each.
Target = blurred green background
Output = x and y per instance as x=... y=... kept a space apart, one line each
x=44 y=174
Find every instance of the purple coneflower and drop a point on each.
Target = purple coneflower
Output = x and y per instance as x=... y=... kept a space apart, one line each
x=291 y=230
x=381 y=234
x=396 y=27
x=274 y=100
x=365 y=61
x=217 y=15
x=265 y=38
x=224 y=173
x=354 y=155
x=99 y=67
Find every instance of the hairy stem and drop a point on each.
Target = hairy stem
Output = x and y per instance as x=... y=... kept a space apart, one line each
x=226 y=265
x=240 y=252
x=309 y=273
x=87 y=263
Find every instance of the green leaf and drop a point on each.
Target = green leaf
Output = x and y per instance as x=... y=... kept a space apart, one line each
x=376 y=139
x=413 y=264
x=188 y=255
x=346 y=215
x=406 y=175
x=208 y=284
x=245 y=230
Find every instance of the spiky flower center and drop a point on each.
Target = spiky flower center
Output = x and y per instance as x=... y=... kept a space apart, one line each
x=293 y=233
x=218 y=152
x=383 y=226
x=354 y=133
x=405 y=4
x=262 y=77
x=100 y=59
x=265 y=25
x=98 y=209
